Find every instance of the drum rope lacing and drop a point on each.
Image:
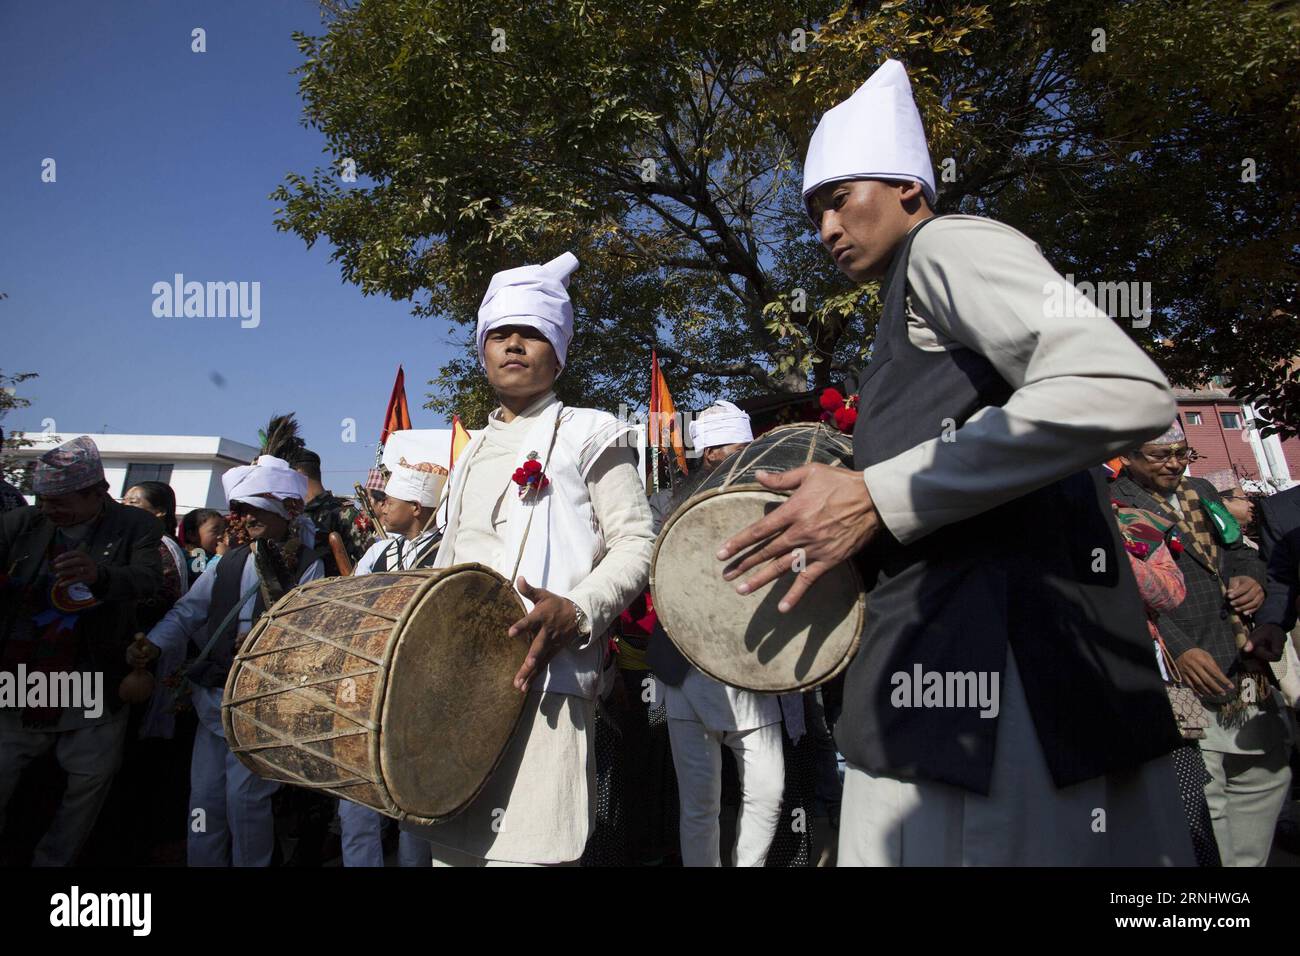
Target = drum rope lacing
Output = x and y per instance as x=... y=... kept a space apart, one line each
x=320 y=638
x=812 y=447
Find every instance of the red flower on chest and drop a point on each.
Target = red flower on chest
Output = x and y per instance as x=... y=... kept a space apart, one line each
x=529 y=476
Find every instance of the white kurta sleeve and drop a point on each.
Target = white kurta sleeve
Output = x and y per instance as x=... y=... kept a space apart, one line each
x=619 y=500
x=367 y=562
x=173 y=632
x=1084 y=391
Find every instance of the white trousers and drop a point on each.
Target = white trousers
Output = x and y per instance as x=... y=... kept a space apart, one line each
x=697 y=758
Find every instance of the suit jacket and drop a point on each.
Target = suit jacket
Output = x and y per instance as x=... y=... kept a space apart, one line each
x=124 y=544
x=1203 y=619
x=1279 y=547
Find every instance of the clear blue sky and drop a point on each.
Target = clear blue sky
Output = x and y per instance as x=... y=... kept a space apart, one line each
x=165 y=158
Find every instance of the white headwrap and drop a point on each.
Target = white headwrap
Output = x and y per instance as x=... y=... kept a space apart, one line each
x=535 y=296
x=413 y=483
x=722 y=423
x=875 y=134
x=265 y=484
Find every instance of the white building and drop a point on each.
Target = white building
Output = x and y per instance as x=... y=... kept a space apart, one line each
x=191 y=464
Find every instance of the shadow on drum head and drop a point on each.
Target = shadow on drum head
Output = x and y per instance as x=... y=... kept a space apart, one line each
x=770 y=632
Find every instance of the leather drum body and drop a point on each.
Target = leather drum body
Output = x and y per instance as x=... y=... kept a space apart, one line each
x=392 y=690
x=743 y=640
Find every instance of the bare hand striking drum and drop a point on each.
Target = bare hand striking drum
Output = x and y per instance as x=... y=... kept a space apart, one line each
x=392 y=690
x=742 y=639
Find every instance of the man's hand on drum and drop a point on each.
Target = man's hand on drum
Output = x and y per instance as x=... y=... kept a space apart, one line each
x=551 y=625
x=829 y=517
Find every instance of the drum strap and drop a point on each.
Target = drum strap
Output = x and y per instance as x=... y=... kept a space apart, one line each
x=212 y=640
x=519 y=558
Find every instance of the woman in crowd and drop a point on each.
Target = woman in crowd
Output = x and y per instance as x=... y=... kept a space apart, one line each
x=159 y=499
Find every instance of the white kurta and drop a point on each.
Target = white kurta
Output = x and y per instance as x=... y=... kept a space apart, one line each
x=402 y=552
x=538 y=806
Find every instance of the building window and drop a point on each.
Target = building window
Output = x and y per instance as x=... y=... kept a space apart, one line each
x=1230 y=419
x=138 y=473
x=1193 y=418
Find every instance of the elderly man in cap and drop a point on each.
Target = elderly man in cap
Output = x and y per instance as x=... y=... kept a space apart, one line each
x=986 y=542
x=550 y=497
x=71 y=571
x=410 y=504
x=1248 y=741
x=704 y=716
x=230 y=807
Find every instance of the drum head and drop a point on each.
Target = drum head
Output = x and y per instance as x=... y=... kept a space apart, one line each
x=742 y=639
x=451 y=705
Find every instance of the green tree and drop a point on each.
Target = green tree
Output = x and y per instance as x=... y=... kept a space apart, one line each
x=662 y=142
x=10 y=468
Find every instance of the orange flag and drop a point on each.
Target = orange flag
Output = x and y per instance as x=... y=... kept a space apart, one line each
x=663 y=415
x=459 y=439
x=398 y=416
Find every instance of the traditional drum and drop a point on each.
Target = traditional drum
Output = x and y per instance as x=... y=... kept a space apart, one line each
x=393 y=690
x=743 y=640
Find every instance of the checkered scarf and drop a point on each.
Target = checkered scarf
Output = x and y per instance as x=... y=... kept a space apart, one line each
x=1207 y=545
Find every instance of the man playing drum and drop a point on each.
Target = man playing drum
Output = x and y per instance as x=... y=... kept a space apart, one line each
x=231 y=819
x=550 y=497
x=705 y=715
x=985 y=542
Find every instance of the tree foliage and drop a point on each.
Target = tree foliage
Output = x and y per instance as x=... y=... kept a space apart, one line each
x=662 y=142
x=10 y=399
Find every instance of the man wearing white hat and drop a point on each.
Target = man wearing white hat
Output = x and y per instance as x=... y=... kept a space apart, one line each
x=410 y=500
x=231 y=821
x=704 y=715
x=984 y=533
x=410 y=503
x=551 y=498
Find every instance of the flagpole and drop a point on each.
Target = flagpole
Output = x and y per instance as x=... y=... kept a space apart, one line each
x=652 y=439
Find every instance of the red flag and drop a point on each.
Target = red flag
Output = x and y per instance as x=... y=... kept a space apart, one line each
x=663 y=415
x=398 y=416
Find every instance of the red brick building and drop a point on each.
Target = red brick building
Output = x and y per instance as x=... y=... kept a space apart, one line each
x=1217 y=427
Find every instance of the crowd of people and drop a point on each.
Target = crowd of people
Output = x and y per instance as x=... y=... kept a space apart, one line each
x=1018 y=506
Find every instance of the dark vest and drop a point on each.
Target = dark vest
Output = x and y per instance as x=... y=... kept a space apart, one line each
x=225 y=595
x=1021 y=573
x=428 y=555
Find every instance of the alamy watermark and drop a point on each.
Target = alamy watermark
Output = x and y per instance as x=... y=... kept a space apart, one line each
x=75 y=908
x=77 y=690
x=948 y=689
x=208 y=300
x=1119 y=300
x=664 y=423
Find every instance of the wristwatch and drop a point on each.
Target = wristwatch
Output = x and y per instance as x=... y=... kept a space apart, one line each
x=584 y=625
